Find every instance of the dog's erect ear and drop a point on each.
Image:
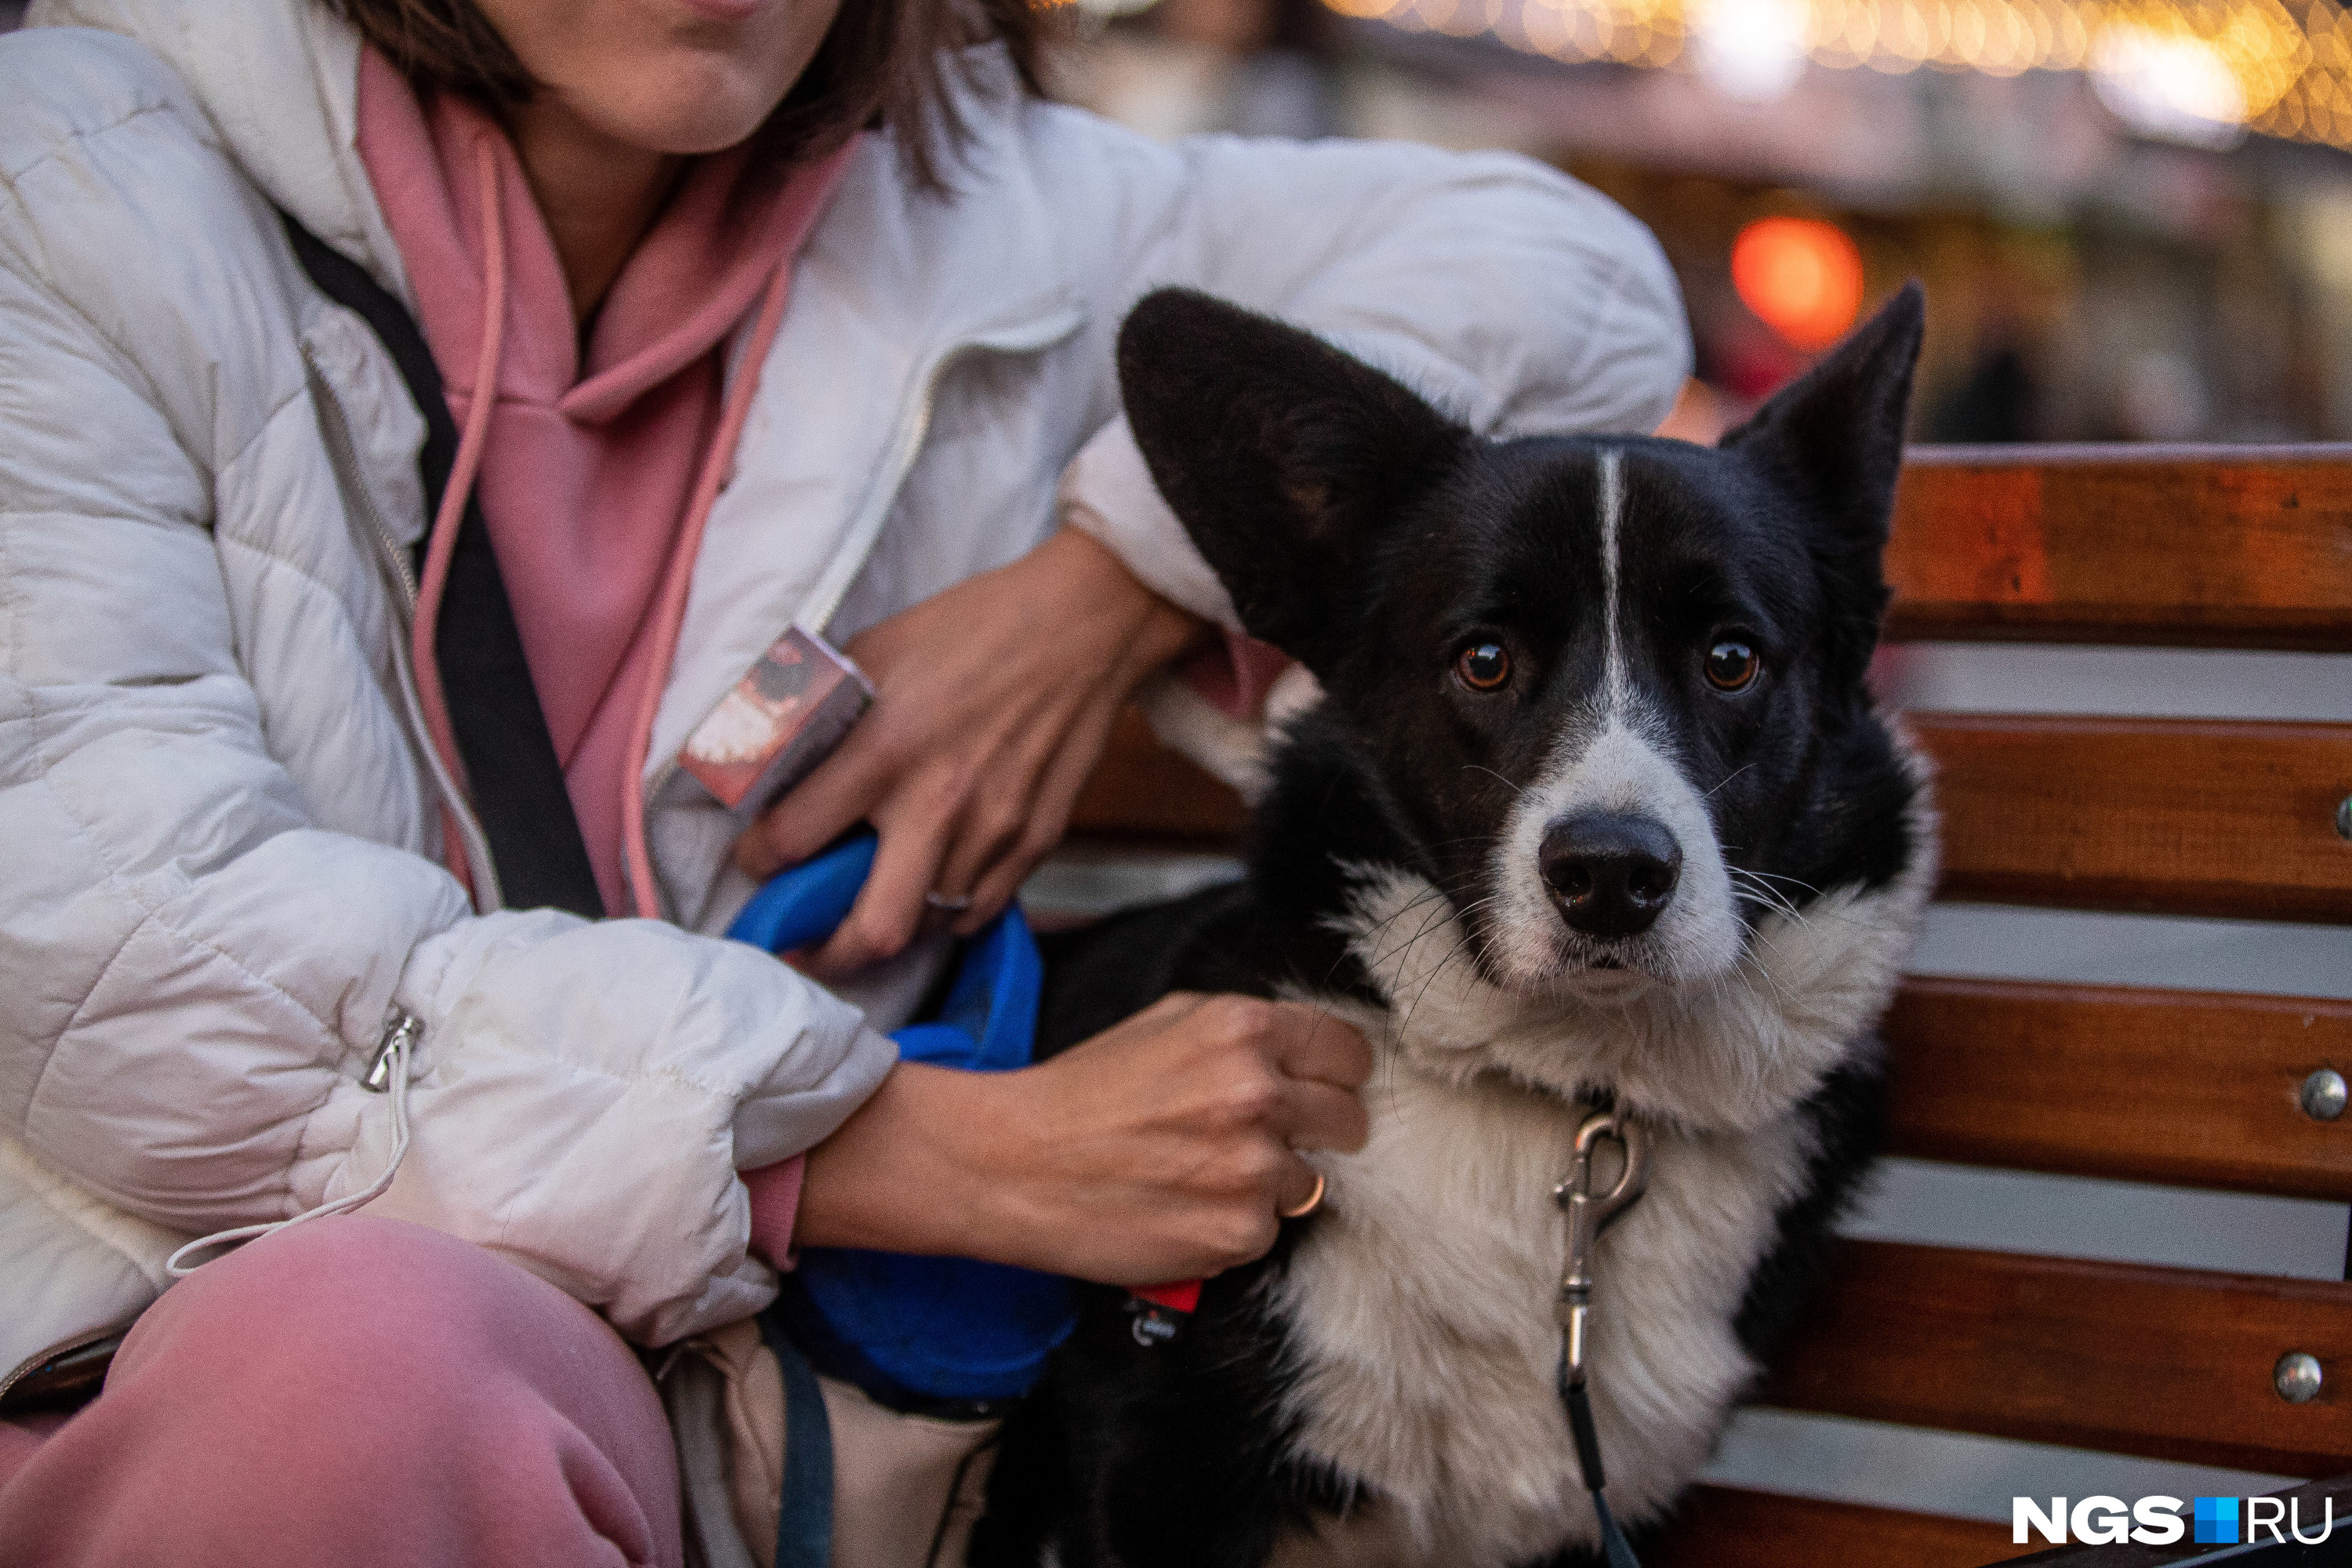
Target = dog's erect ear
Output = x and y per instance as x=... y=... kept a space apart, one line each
x=1836 y=433
x=1834 y=439
x=1284 y=457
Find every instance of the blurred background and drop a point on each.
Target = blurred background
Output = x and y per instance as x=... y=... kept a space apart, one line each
x=2134 y=217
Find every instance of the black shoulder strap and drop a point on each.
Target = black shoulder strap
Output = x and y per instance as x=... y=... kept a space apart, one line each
x=511 y=769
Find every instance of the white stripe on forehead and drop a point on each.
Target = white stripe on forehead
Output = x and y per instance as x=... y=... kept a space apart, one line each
x=1612 y=506
x=1615 y=755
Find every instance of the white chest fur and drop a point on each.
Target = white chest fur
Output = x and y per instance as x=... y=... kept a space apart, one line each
x=1420 y=1309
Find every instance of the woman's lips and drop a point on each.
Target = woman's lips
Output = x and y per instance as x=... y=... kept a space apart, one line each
x=723 y=10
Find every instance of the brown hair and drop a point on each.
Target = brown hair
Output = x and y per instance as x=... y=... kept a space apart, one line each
x=886 y=63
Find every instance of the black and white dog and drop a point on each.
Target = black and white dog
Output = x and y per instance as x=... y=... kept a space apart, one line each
x=1595 y=811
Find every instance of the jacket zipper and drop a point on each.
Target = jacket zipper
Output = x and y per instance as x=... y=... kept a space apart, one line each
x=344 y=453
x=401 y=1030
x=906 y=443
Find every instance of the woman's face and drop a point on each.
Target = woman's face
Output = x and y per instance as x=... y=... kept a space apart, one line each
x=665 y=76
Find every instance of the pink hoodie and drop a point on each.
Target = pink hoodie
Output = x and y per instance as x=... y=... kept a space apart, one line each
x=598 y=458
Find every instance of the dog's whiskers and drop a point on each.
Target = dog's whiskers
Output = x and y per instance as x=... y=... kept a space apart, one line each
x=1727 y=778
x=1776 y=877
x=1480 y=768
x=1438 y=969
x=1768 y=896
x=1442 y=896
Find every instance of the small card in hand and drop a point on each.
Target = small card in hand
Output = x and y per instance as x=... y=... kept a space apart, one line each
x=774 y=726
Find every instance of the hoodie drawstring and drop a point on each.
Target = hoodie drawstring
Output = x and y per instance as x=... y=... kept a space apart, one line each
x=441 y=543
x=636 y=854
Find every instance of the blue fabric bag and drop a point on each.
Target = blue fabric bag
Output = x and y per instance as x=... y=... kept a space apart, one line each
x=921 y=1334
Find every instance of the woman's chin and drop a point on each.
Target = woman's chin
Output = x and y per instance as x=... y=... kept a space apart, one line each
x=695 y=107
x=673 y=76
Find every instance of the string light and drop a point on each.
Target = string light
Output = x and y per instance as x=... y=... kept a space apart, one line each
x=2199 y=70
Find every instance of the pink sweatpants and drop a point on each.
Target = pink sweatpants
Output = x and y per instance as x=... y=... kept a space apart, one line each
x=362 y=1392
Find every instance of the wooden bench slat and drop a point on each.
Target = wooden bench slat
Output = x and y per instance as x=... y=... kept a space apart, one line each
x=2192 y=1088
x=2178 y=815
x=1726 y=1527
x=2188 y=816
x=1143 y=790
x=2165 y=1363
x=2213 y=546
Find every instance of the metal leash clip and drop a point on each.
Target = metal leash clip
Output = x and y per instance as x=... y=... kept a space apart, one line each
x=1590 y=1213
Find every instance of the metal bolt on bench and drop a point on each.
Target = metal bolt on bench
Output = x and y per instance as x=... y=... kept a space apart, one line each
x=2298 y=1377
x=2324 y=1094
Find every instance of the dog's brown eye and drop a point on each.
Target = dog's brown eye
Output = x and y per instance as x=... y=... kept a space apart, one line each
x=1732 y=666
x=1483 y=666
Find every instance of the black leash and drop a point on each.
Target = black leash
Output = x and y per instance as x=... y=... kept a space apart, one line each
x=1588 y=1213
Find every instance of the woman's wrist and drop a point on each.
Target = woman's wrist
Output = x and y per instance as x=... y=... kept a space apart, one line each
x=905 y=1174
x=1158 y=633
x=1164 y=1148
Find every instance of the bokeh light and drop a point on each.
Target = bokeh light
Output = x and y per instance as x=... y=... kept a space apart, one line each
x=1802 y=276
x=2172 y=85
x=2201 y=71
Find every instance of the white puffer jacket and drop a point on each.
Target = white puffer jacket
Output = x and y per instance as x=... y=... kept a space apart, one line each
x=219 y=858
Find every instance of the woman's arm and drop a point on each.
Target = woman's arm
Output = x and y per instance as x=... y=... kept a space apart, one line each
x=1515 y=297
x=213 y=874
x=1159 y=1150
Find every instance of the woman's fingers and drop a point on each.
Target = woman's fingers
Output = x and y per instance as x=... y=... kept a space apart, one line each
x=841 y=792
x=1309 y=1043
x=1039 y=829
x=1164 y=1148
x=1231 y=1115
x=1318 y=1116
x=1004 y=687
x=986 y=859
x=890 y=909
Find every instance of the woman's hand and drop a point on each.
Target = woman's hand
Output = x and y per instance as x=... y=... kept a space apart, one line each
x=992 y=703
x=1159 y=1150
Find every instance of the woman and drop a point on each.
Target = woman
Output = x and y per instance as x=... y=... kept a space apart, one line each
x=749 y=313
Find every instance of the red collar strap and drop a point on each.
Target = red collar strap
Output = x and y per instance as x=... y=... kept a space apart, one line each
x=1182 y=1296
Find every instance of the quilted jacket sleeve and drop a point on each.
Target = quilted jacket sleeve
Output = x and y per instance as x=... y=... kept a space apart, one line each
x=198 y=941
x=1507 y=292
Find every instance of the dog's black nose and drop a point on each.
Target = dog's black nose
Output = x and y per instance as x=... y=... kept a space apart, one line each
x=1610 y=873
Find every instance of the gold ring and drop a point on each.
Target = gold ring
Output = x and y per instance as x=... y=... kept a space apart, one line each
x=1314 y=1201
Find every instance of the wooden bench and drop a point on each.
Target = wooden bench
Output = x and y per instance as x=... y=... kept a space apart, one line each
x=2224 y=547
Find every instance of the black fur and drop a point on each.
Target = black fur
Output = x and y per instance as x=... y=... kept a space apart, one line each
x=1373 y=539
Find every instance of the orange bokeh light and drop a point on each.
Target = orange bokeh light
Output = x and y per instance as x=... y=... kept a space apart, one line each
x=1802 y=276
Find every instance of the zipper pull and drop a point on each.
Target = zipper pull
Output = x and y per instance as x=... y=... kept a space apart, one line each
x=401 y=1030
